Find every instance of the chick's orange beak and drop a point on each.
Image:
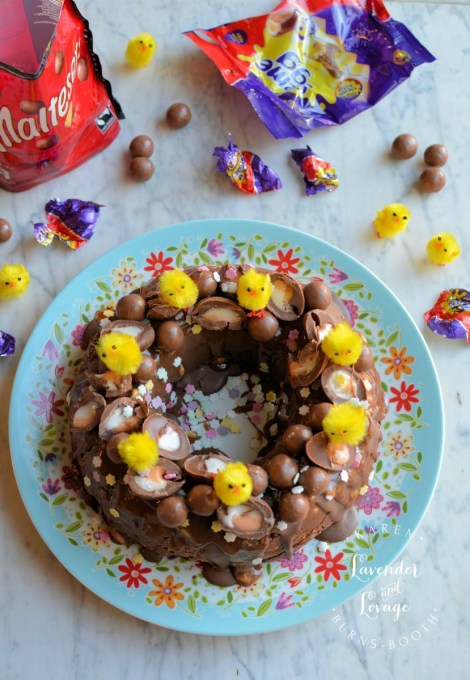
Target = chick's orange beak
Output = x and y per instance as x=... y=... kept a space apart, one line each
x=253 y=293
x=143 y=48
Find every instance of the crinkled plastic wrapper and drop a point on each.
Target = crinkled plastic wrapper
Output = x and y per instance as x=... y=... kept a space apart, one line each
x=450 y=315
x=56 y=109
x=311 y=63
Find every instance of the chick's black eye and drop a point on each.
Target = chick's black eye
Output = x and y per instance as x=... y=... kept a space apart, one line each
x=394 y=214
x=7 y=283
x=230 y=486
x=170 y=293
x=103 y=355
x=141 y=42
x=445 y=250
x=113 y=347
x=248 y=290
x=19 y=278
x=243 y=485
x=182 y=287
x=405 y=217
x=262 y=289
x=439 y=238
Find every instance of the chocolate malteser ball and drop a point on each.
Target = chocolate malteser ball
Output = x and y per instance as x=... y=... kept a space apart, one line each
x=178 y=115
x=317 y=413
x=82 y=69
x=59 y=61
x=172 y=511
x=131 y=307
x=317 y=295
x=202 y=500
x=259 y=477
x=142 y=146
x=295 y=437
x=141 y=169
x=281 y=470
x=293 y=507
x=112 y=447
x=170 y=336
x=432 y=180
x=404 y=146
x=263 y=328
x=205 y=282
x=5 y=230
x=147 y=369
x=436 y=155
x=365 y=361
x=315 y=481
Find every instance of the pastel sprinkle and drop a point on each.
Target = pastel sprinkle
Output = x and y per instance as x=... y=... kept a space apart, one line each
x=216 y=527
x=322 y=546
x=177 y=362
x=363 y=490
x=270 y=396
x=282 y=526
x=162 y=374
x=137 y=558
x=87 y=480
x=297 y=489
x=344 y=475
x=127 y=411
x=97 y=461
x=110 y=480
x=229 y=537
x=305 y=392
x=303 y=410
x=114 y=512
x=196 y=329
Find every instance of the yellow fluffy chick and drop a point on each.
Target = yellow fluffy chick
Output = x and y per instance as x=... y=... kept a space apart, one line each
x=391 y=220
x=178 y=289
x=140 y=50
x=119 y=352
x=345 y=424
x=139 y=451
x=253 y=291
x=14 y=280
x=443 y=248
x=233 y=485
x=342 y=345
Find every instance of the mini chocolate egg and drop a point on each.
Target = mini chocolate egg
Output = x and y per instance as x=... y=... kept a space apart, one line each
x=293 y=507
x=170 y=336
x=436 y=155
x=315 y=481
x=5 y=230
x=178 y=115
x=146 y=370
x=316 y=414
x=282 y=470
x=404 y=146
x=131 y=307
x=172 y=511
x=141 y=169
x=142 y=145
x=263 y=328
x=432 y=180
x=202 y=500
x=317 y=295
x=295 y=436
x=259 y=477
x=205 y=282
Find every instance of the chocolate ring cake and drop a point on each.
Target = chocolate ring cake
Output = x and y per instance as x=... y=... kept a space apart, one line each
x=286 y=356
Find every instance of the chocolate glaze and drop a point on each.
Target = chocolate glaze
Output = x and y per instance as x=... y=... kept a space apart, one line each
x=296 y=482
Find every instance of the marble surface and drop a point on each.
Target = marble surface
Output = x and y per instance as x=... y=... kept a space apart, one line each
x=50 y=625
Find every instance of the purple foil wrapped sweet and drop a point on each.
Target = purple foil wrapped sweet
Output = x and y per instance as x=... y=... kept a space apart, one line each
x=310 y=63
x=319 y=175
x=72 y=221
x=7 y=344
x=245 y=169
x=450 y=315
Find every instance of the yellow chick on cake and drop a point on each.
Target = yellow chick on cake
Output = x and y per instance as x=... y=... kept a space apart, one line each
x=345 y=423
x=233 y=485
x=177 y=289
x=119 y=352
x=342 y=345
x=139 y=451
x=253 y=292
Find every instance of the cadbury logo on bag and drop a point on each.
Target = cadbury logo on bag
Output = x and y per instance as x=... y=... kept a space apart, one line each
x=56 y=109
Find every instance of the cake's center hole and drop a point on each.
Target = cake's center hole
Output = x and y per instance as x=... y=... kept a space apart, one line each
x=238 y=419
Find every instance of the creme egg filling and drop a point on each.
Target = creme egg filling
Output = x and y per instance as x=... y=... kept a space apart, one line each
x=338 y=453
x=281 y=296
x=342 y=384
x=151 y=480
x=214 y=465
x=135 y=331
x=243 y=519
x=169 y=439
x=217 y=314
x=85 y=414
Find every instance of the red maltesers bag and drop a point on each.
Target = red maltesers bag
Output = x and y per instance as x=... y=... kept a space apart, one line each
x=56 y=109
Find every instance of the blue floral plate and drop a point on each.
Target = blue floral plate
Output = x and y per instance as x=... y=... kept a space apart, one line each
x=173 y=593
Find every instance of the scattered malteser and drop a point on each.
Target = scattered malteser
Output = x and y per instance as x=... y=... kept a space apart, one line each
x=141 y=168
x=178 y=115
x=404 y=146
x=59 y=61
x=5 y=230
x=432 y=180
x=31 y=106
x=82 y=69
x=436 y=155
x=141 y=145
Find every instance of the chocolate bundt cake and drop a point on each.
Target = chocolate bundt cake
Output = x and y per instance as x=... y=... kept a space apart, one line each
x=301 y=483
